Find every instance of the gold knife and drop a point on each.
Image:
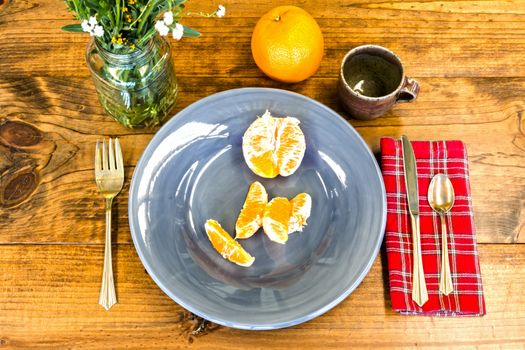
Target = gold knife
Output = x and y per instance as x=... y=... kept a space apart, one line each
x=419 y=286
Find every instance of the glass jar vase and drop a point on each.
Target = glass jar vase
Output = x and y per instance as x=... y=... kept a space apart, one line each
x=137 y=89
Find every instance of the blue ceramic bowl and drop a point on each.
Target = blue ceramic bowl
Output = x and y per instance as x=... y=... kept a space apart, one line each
x=193 y=170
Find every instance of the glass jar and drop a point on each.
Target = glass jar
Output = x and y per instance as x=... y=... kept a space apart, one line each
x=137 y=89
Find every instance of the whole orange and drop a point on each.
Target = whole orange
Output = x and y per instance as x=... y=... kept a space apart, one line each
x=287 y=44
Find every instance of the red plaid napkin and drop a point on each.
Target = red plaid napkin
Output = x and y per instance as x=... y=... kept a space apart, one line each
x=449 y=157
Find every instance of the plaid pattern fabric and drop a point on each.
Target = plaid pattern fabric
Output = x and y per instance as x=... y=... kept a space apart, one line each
x=449 y=157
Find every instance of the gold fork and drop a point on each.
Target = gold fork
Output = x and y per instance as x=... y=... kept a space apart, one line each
x=109 y=175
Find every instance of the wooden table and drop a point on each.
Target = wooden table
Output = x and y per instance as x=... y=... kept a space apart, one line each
x=469 y=57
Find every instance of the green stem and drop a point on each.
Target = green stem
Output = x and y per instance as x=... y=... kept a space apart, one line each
x=111 y=21
x=137 y=19
x=117 y=20
x=76 y=9
x=146 y=14
x=146 y=37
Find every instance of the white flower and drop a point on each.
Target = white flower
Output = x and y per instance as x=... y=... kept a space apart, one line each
x=92 y=27
x=98 y=31
x=161 y=27
x=93 y=21
x=86 y=26
x=178 y=31
x=168 y=18
x=221 y=11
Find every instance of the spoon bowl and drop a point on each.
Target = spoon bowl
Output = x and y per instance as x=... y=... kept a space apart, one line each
x=441 y=194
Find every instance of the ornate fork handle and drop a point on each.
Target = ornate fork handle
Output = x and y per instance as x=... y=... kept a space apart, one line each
x=108 y=297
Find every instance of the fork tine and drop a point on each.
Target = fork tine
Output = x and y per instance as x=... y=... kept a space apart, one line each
x=111 y=155
x=104 y=155
x=118 y=155
x=97 y=157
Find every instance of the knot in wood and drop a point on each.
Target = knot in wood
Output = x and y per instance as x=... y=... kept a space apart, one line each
x=19 y=188
x=17 y=134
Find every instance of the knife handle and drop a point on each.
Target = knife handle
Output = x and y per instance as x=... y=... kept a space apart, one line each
x=419 y=286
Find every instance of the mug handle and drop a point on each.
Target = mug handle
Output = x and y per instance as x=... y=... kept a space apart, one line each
x=409 y=91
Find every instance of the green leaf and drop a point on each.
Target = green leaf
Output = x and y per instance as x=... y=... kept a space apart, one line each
x=92 y=4
x=101 y=15
x=111 y=18
x=191 y=33
x=162 y=7
x=73 y=28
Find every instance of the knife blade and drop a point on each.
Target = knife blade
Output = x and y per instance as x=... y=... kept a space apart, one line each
x=419 y=287
x=409 y=164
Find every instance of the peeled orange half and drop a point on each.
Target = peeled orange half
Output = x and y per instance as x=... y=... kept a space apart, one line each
x=250 y=218
x=227 y=246
x=275 y=220
x=273 y=146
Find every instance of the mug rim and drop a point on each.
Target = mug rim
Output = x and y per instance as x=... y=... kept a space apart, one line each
x=370 y=98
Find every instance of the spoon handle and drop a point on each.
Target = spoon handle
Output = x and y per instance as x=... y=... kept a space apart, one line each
x=445 y=283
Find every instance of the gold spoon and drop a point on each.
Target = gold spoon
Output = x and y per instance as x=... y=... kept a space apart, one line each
x=441 y=199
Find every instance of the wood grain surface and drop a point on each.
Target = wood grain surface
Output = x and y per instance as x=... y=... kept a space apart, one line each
x=49 y=297
x=468 y=56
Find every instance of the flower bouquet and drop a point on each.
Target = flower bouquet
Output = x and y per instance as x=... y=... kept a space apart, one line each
x=129 y=59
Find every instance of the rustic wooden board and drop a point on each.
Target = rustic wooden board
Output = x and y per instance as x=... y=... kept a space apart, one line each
x=49 y=298
x=65 y=113
x=446 y=38
x=469 y=59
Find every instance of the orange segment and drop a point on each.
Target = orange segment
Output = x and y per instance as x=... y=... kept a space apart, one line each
x=301 y=208
x=273 y=146
x=291 y=145
x=250 y=218
x=276 y=218
x=227 y=246
x=258 y=144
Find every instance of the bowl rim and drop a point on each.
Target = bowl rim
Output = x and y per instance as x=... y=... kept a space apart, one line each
x=135 y=230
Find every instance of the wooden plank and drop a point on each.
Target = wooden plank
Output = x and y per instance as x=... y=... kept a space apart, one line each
x=486 y=113
x=49 y=298
x=447 y=38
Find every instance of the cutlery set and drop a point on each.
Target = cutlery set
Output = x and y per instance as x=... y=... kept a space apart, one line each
x=441 y=199
x=109 y=176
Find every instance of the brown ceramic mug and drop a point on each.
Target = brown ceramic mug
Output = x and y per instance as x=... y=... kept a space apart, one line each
x=372 y=80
